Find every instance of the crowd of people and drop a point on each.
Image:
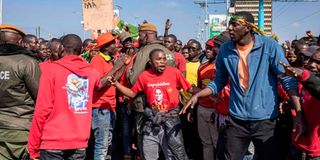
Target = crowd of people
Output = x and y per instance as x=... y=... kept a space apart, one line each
x=243 y=96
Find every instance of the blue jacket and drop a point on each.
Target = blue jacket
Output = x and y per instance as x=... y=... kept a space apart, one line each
x=260 y=101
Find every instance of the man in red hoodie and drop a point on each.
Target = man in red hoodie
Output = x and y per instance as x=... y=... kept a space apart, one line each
x=61 y=123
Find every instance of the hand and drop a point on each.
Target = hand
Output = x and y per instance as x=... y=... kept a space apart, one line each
x=298 y=125
x=129 y=52
x=35 y=158
x=283 y=106
x=168 y=24
x=288 y=44
x=126 y=58
x=190 y=104
x=111 y=80
x=290 y=71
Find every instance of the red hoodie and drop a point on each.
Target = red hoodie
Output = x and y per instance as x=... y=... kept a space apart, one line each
x=309 y=141
x=62 y=117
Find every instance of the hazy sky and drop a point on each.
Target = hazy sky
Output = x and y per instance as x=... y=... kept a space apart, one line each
x=57 y=17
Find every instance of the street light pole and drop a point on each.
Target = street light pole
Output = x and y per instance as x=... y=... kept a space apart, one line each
x=0 y=11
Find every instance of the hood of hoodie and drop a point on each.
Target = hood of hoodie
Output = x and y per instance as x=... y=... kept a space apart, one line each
x=75 y=64
x=12 y=49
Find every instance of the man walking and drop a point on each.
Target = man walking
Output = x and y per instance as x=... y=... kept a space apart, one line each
x=251 y=61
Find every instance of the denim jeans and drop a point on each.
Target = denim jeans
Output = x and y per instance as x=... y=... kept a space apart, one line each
x=72 y=154
x=126 y=122
x=103 y=122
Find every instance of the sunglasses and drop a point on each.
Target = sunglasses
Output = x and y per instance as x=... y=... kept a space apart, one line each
x=192 y=48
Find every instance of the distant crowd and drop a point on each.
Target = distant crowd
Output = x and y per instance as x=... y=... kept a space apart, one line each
x=244 y=96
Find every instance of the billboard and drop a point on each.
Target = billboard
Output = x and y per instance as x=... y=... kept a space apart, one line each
x=217 y=24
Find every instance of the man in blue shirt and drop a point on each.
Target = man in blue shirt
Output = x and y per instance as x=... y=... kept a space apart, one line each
x=251 y=62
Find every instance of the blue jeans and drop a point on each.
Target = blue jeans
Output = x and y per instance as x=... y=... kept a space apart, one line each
x=103 y=122
x=72 y=154
x=126 y=122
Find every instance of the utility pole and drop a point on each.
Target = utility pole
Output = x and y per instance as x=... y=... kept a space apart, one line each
x=1 y=11
x=204 y=5
x=38 y=31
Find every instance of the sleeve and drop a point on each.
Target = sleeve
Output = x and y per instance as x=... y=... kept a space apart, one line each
x=222 y=76
x=199 y=85
x=277 y=56
x=312 y=83
x=182 y=64
x=138 y=86
x=42 y=111
x=138 y=67
x=31 y=78
x=182 y=82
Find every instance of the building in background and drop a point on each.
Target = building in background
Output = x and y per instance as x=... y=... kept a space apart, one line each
x=252 y=6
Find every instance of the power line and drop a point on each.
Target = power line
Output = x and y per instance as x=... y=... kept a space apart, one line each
x=282 y=7
x=284 y=10
x=301 y=19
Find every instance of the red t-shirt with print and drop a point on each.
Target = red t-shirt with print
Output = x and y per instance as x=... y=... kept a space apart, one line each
x=161 y=90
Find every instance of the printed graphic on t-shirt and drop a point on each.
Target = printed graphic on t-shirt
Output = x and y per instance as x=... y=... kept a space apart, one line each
x=160 y=99
x=77 y=90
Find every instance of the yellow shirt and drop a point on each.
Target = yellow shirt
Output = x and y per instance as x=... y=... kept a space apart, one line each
x=192 y=78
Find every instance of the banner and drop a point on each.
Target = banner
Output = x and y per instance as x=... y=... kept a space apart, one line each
x=218 y=24
x=98 y=14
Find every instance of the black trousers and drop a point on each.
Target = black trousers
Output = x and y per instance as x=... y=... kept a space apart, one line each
x=238 y=135
x=72 y=154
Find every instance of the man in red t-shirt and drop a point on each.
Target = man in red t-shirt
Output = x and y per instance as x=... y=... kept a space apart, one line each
x=161 y=85
x=104 y=99
x=170 y=42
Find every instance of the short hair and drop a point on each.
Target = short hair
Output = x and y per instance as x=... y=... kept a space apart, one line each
x=155 y=51
x=185 y=47
x=86 y=42
x=27 y=37
x=72 y=44
x=196 y=42
x=54 y=40
x=173 y=37
x=246 y=16
x=179 y=41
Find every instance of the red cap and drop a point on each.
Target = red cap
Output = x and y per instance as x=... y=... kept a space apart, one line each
x=210 y=42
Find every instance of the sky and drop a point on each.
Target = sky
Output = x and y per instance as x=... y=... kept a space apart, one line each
x=59 y=17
